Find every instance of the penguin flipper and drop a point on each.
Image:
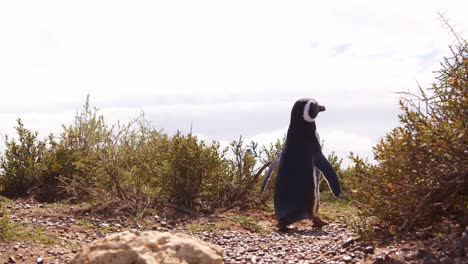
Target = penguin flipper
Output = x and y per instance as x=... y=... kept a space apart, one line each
x=329 y=173
x=272 y=167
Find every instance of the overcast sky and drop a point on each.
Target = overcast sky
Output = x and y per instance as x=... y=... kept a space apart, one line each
x=228 y=67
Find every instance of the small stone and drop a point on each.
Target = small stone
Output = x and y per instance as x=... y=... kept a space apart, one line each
x=357 y=248
x=348 y=242
x=368 y=250
x=11 y=259
x=346 y=258
x=39 y=260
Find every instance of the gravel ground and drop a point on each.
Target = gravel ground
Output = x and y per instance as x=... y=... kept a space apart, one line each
x=57 y=232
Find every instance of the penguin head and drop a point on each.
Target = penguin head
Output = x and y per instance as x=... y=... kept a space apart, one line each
x=310 y=108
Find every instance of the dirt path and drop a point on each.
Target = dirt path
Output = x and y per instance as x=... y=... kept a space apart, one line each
x=54 y=233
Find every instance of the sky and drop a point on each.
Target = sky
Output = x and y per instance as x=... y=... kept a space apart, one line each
x=226 y=68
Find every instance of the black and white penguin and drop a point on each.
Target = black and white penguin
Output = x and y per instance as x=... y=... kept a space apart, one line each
x=301 y=164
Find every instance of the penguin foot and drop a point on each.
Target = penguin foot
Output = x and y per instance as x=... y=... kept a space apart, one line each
x=317 y=222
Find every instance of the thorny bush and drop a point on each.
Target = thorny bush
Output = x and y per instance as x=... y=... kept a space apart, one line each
x=132 y=164
x=422 y=166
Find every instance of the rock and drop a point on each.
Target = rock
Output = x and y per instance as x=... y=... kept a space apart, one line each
x=11 y=259
x=147 y=248
x=368 y=250
x=346 y=258
x=39 y=260
x=348 y=242
x=378 y=259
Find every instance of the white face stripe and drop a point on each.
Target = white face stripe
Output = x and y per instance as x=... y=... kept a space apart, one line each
x=306 y=115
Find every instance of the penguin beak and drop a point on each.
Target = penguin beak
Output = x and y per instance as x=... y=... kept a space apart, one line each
x=321 y=108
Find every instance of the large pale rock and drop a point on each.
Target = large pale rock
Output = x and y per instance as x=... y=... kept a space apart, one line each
x=149 y=247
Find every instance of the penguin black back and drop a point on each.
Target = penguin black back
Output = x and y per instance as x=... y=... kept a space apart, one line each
x=296 y=181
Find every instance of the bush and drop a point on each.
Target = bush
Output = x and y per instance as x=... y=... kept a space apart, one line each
x=190 y=163
x=78 y=151
x=20 y=167
x=133 y=163
x=235 y=184
x=421 y=171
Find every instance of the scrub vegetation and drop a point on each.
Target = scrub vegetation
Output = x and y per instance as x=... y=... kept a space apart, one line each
x=420 y=175
x=133 y=165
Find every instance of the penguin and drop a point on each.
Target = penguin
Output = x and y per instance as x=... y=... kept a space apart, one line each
x=301 y=164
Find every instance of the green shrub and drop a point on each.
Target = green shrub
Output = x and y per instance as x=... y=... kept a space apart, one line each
x=235 y=185
x=421 y=171
x=20 y=166
x=133 y=162
x=190 y=162
x=77 y=152
x=122 y=162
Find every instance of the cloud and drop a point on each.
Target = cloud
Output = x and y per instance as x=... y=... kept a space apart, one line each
x=342 y=143
x=227 y=68
x=340 y=49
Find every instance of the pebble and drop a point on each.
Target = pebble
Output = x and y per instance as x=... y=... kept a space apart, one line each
x=348 y=242
x=347 y=258
x=368 y=250
x=335 y=243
